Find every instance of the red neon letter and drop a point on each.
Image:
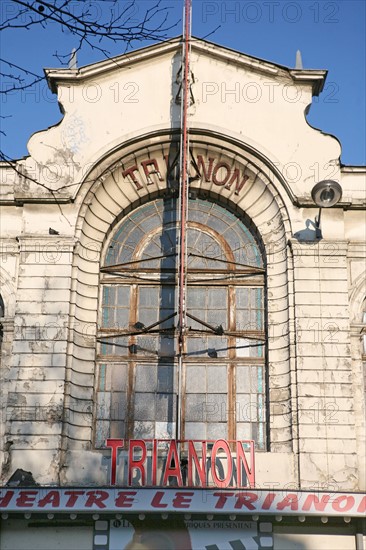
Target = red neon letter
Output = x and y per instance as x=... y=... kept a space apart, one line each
x=222 y=499
x=267 y=503
x=200 y=468
x=290 y=500
x=312 y=500
x=138 y=464
x=362 y=506
x=242 y=459
x=74 y=495
x=156 y=501
x=125 y=499
x=245 y=499
x=4 y=501
x=97 y=498
x=181 y=500
x=52 y=497
x=26 y=498
x=349 y=503
x=114 y=444
x=172 y=471
x=221 y=444
x=154 y=462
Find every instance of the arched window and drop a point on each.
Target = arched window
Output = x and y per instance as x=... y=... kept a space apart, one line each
x=223 y=383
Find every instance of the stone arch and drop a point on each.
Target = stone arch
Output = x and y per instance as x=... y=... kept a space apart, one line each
x=7 y=310
x=7 y=292
x=357 y=303
x=358 y=299
x=108 y=197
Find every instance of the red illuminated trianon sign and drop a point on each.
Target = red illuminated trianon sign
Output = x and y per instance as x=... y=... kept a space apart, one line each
x=203 y=459
x=158 y=464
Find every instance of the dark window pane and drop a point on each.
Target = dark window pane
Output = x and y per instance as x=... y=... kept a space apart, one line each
x=144 y=406
x=146 y=378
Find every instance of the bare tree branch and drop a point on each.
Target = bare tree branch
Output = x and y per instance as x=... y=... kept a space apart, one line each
x=94 y=24
x=95 y=30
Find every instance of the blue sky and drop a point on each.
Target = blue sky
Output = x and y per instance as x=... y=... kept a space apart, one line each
x=330 y=35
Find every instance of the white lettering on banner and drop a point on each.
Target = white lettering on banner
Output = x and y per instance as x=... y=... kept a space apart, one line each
x=195 y=501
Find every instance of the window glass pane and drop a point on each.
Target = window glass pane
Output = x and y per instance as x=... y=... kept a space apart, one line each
x=119 y=376
x=195 y=379
x=146 y=377
x=102 y=432
x=246 y=347
x=217 y=430
x=217 y=316
x=118 y=406
x=113 y=346
x=243 y=430
x=244 y=378
x=208 y=305
x=104 y=379
x=195 y=430
x=109 y=296
x=250 y=403
x=249 y=379
x=242 y=298
x=243 y=320
x=143 y=430
x=216 y=409
x=156 y=304
x=167 y=378
x=165 y=407
x=118 y=429
x=103 y=408
x=204 y=250
x=115 y=306
x=154 y=345
x=249 y=308
x=144 y=408
x=123 y=296
x=216 y=379
x=217 y=298
x=244 y=412
x=162 y=244
x=122 y=316
x=111 y=402
x=155 y=400
x=195 y=407
x=148 y=297
x=196 y=298
x=164 y=430
x=207 y=346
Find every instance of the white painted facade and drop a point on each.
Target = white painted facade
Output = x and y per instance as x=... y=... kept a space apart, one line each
x=247 y=114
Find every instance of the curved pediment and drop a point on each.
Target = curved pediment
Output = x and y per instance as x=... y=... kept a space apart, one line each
x=110 y=104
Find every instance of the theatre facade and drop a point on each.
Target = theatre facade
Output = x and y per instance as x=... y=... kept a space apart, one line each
x=256 y=439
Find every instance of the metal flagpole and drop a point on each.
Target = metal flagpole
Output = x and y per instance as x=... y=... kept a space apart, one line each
x=183 y=205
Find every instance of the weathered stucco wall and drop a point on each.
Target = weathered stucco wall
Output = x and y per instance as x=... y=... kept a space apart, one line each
x=115 y=117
